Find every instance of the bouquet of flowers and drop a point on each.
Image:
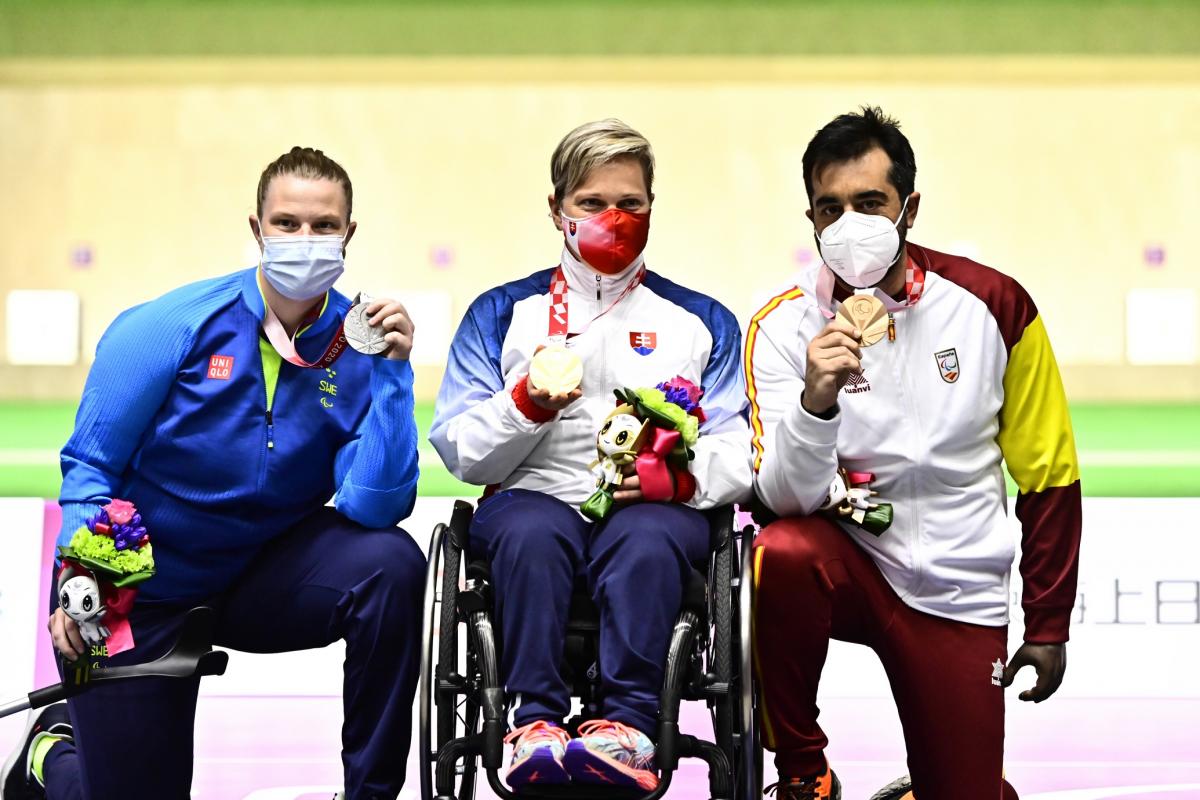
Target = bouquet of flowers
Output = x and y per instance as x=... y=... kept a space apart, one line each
x=654 y=429
x=101 y=567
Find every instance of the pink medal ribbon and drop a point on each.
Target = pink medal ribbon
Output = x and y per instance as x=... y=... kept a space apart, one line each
x=286 y=346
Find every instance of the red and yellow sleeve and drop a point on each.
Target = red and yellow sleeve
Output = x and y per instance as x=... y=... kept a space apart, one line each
x=752 y=380
x=1038 y=446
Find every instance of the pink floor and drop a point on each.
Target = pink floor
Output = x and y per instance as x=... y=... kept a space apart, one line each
x=284 y=748
x=269 y=747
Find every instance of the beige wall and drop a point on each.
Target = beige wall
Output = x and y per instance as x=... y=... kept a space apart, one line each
x=1059 y=172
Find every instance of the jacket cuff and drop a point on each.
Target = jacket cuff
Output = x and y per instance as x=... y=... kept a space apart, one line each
x=1047 y=625
x=685 y=485
x=531 y=410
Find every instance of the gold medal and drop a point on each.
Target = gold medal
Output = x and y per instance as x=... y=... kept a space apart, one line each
x=868 y=314
x=555 y=369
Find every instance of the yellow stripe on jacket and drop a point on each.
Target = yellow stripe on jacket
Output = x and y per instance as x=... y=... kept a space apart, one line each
x=751 y=390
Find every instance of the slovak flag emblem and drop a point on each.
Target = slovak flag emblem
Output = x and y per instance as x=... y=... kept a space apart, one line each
x=643 y=343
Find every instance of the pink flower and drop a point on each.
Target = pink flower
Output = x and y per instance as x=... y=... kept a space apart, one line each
x=685 y=394
x=120 y=512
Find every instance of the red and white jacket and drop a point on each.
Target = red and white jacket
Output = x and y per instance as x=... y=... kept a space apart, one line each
x=969 y=382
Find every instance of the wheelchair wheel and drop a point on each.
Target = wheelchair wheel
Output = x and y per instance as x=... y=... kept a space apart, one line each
x=748 y=762
x=719 y=659
x=449 y=708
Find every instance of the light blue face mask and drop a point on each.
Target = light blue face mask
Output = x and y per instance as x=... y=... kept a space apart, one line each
x=303 y=267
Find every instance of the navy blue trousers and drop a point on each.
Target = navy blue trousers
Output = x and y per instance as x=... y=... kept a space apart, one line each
x=324 y=580
x=636 y=563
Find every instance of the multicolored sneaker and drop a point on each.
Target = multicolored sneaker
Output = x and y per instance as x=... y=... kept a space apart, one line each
x=21 y=778
x=613 y=754
x=537 y=754
x=825 y=786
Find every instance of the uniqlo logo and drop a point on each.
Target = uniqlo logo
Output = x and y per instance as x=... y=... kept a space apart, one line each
x=220 y=367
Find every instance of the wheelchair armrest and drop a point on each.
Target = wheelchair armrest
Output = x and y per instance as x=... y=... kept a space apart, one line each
x=460 y=524
x=720 y=524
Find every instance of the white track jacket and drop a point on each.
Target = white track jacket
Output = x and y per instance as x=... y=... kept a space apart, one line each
x=970 y=380
x=659 y=330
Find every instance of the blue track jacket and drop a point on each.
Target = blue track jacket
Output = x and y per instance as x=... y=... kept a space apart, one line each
x=191 y=415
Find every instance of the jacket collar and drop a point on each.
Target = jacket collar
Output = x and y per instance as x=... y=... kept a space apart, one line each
x=585 y=280
x=252 y=297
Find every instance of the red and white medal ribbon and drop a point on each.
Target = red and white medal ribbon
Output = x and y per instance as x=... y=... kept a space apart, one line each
x=286 y=346
x=914 y=286
x=559 y=311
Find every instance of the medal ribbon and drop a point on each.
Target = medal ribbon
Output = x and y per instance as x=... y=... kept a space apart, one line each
x=286 y=346
x=914 y=287
x=559 y=311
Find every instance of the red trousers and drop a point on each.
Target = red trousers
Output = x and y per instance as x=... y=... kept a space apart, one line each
x=814 y=583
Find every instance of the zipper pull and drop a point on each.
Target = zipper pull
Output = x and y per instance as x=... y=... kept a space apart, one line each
x=891 y=327
x=270 y=430
x=597 y=288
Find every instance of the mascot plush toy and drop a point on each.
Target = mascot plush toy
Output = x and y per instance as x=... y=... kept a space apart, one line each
x=79 y=596
x=849 y=500
x=617 y=445
x=654 y=429
x=101 y=568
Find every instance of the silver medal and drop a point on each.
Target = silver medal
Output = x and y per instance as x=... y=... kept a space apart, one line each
x=362 y=336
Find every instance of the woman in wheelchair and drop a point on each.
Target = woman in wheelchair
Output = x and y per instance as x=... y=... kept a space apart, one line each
x=531 y=442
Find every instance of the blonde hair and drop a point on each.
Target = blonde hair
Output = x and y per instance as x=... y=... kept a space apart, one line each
x=593 y=144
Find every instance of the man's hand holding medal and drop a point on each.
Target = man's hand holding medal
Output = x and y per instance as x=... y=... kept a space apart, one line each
x=836 y=353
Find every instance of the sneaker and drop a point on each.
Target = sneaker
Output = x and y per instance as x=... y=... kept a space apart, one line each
x=825 y=786
x=537 y=754
x=613 y=754
x=899 y=789
x=17 y=781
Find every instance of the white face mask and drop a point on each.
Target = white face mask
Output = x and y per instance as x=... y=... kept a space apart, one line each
x=303 y=267
x=861 y=248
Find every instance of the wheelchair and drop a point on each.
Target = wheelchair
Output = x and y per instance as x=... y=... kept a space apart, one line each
x=462 y=702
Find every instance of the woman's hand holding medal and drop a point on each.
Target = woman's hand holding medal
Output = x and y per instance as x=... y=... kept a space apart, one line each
x=554 y=379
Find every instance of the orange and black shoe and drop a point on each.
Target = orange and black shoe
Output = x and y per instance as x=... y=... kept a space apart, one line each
x=825 y=786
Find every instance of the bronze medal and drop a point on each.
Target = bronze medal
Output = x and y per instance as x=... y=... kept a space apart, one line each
x=868 y=314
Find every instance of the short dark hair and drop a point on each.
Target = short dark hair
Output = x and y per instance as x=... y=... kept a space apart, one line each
x=850 y=136
x=306 y=163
